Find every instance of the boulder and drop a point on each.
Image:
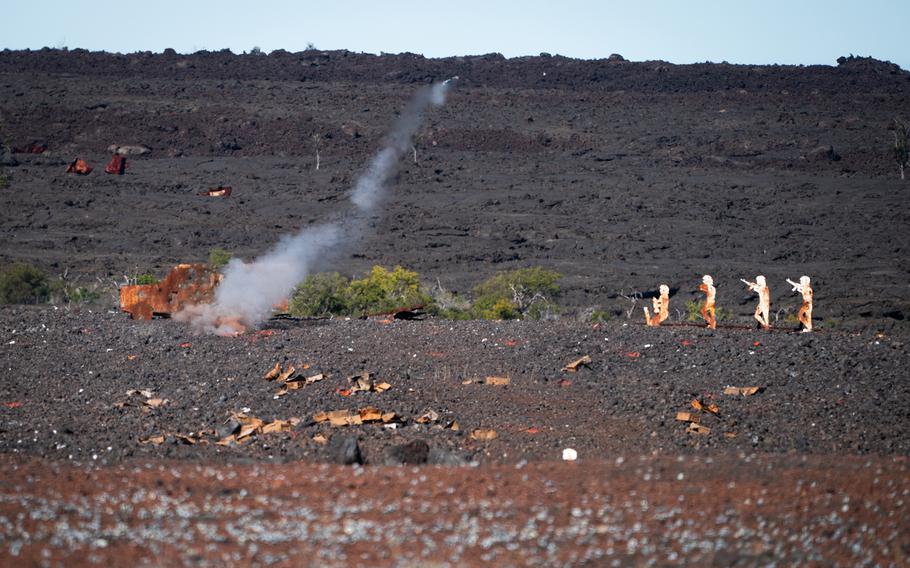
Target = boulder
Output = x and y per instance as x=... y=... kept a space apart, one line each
x=823 y=154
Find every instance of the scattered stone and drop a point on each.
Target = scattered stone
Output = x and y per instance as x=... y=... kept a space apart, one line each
x=134 y=150
x=7 y=159
x=823 y=154
x=344 y=450
x=439 y=456
x=415 y=452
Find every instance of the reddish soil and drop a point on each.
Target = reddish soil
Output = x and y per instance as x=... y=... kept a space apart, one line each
x=725 y=511
x=620 y=175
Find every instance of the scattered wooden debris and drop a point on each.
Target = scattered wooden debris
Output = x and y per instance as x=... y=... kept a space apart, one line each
x=190 y=439
x=696 y=428
x=289 y=379
x=483 y=434
x=491 y=380
x=220 y=191
x=427 y=417
x=688 y=417
x=364 y=382
x=273 y=372
x=246 y=427
x=574 y=365
x=148 y=400
x=711 y=407
x=353 y=418
x=744 y=391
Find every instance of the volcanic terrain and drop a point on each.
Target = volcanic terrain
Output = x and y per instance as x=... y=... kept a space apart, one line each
x=619 y=175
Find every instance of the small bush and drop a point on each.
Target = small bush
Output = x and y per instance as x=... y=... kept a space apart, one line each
x=4 y=181
x=145 y=279
x=320 y=295
x=449 y=305
x=65 y=292
x=693 y=311
x=456 y=314
x=385 y=290
x=22 y=283
x=380 y=291
x=525 y=292
x=901 y=147
x=218 y=258
x=599 y=316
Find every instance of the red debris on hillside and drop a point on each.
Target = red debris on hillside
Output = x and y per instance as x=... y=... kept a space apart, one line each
x=31 y=148
x=185 y=284
x=79 y=166
x=220 y=191
x=116 y=166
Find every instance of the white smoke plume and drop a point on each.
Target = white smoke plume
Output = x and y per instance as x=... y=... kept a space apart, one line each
x=249 y=291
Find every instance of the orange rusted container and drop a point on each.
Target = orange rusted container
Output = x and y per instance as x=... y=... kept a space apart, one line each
x=116 y=166
x=185 y=284
x=79 y=166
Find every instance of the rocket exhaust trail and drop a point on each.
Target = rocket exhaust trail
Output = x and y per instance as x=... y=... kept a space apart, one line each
x=245 y=297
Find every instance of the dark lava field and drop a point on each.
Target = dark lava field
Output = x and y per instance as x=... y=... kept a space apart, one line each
x=124 y=441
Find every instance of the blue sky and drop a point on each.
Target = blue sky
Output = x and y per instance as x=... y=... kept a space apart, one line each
x=684 y=31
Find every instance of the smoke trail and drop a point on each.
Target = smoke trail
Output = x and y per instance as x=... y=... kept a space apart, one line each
x=250 y=289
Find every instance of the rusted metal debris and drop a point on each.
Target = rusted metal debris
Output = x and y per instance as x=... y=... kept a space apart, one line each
x=576 y=364
x=79 y=166
x=31 y=148
x=116 y=166
x=220 y=191
x=185 y=284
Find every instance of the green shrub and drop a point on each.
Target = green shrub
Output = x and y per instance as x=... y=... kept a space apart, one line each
x=525 y=292
x=320 y=295
x=145 y=279
x=218 y=258
x=693 y=311
x=22 y=283
x=457 y=314
x=380 y=291
x=599 y=316
x=449 y=305
x=384 y=290
x=62 y=291
x=901 y=149
x=4 y=181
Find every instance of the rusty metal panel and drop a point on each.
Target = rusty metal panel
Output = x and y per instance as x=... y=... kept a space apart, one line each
x=185 y=284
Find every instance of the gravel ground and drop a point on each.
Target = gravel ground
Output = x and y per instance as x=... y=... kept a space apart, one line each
x=619 y=175
x=641 y=511
x=69 y=375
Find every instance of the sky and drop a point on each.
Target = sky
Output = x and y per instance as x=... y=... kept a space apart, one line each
x=684 y=31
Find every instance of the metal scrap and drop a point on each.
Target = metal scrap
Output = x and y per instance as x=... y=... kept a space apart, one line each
x=116 y=166
x=79 y=166
x=185 y=284
x=220 y=191
x=574 y=365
